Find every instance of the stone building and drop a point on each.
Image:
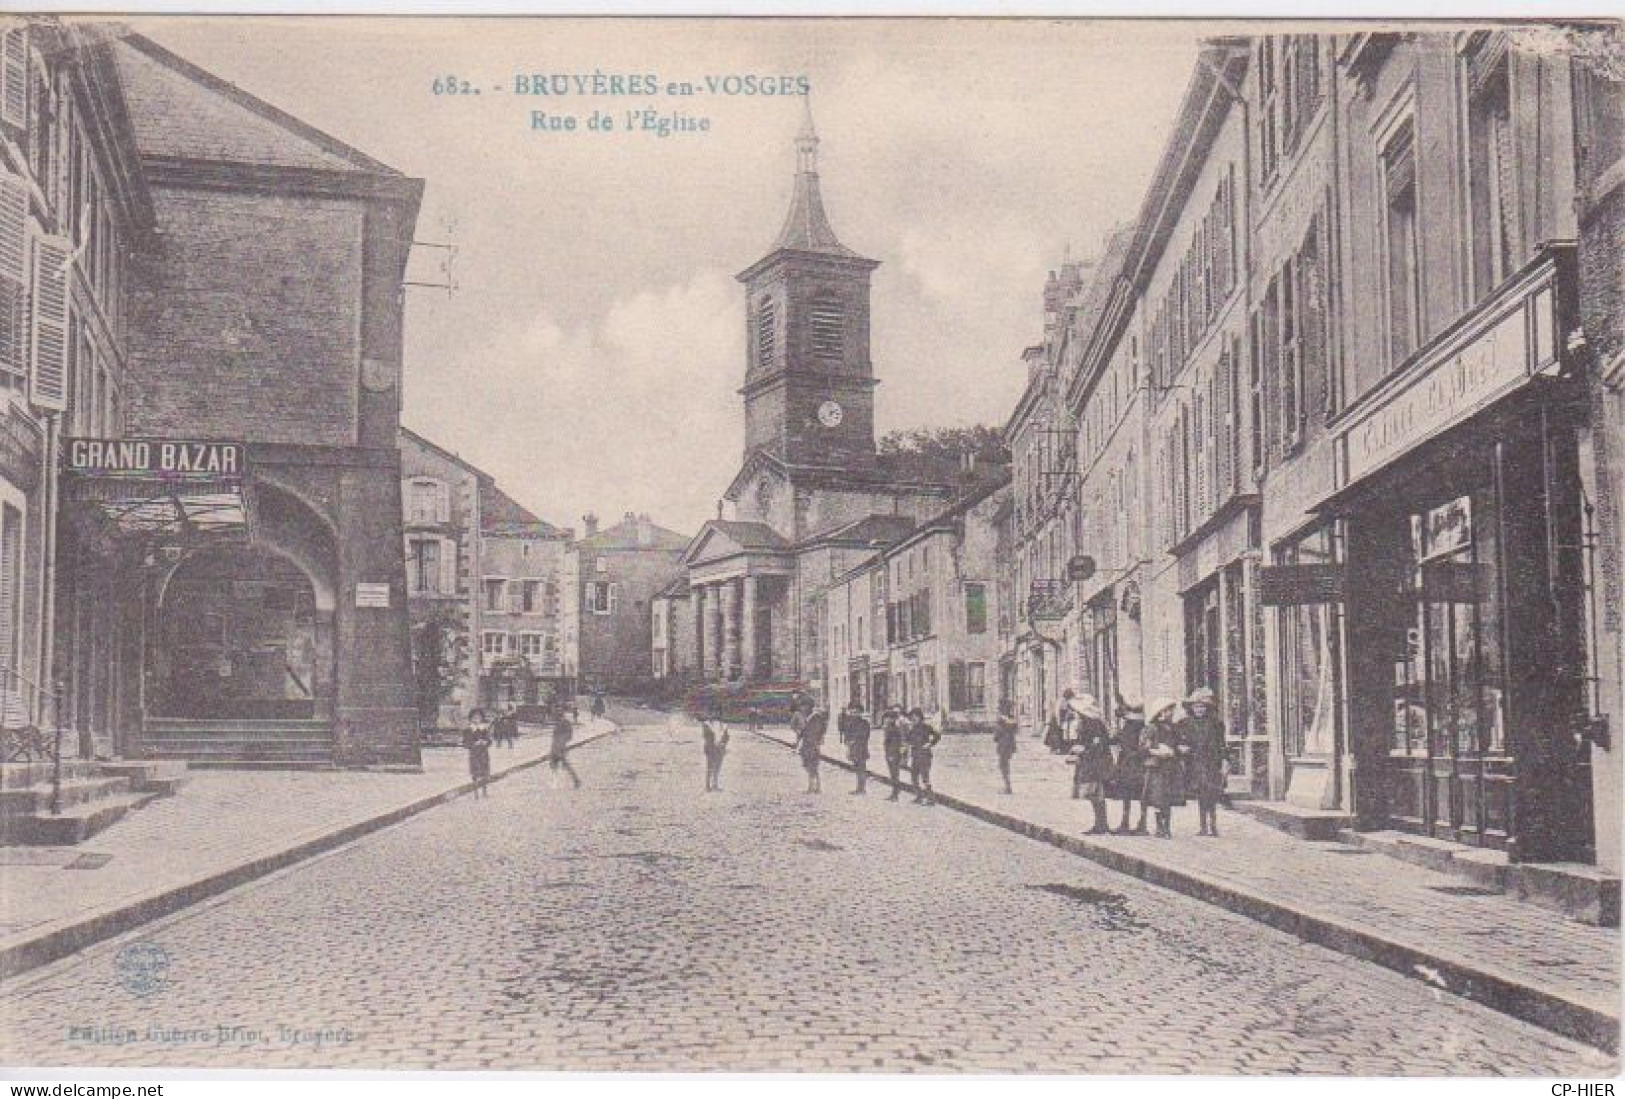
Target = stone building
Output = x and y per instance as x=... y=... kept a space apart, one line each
x=916 y=624
x=527 y=605
x=620 y=571
x=74 y=209
x=812 y=492
x=256 y=537
x=1378 y=379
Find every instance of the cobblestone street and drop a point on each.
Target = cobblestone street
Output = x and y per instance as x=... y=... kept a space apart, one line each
x=640 y=924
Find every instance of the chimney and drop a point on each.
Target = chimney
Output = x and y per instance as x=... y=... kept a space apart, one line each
x=590 y=522
x=645 y=531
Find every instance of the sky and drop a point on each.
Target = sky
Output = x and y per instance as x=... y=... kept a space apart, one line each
x=590 y=354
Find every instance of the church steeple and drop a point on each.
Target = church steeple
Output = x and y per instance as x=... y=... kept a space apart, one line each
x=808 y=377
x=806 y=227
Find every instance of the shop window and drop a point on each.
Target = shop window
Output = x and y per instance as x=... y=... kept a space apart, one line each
x=1309 y=639
x=1401 y=260
x=1491 y=163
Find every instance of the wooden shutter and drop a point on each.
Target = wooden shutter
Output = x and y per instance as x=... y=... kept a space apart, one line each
x=448 y=567
x=49 y=335
x=614 y=596
x=13 y=275
x=10 y=575
x=14 y=78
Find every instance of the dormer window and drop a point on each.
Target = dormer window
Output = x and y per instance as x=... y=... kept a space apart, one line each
x=767 y=315
x=828 y=324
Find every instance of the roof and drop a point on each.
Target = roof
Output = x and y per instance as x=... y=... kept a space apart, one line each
x=409 y=435
x=883 y=475
x=502 y=514
x=875 y=531
x=183 y=111
x=757 y=536
x=806 y=226
x=625 y=536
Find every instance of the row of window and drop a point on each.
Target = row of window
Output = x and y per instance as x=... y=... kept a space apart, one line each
x=1289 y=92
x=1200 y=287
x=534 y=645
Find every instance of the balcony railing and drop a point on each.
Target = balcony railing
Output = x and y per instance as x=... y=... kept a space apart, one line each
x=31 y=728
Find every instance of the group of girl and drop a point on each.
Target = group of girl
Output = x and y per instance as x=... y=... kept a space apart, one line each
x=1160 y=762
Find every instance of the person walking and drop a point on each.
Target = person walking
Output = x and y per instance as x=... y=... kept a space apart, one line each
x=597 y=703
x=1092 y=760
x=810 y=745
x=477 y=739
x=505 y=729
x=1164 y=764
x=893 y=741
x=1004 y=741
x=558 y=757
x=1203 y=736
x=1055 y=735
x=922 y=741
x=855 y=732
x=714 y=734
x=1128 y=773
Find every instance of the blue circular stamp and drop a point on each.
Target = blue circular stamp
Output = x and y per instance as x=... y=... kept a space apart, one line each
x=142 y=968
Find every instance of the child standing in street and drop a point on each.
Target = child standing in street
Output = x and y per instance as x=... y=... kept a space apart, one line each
x=1004 y=742
x=477 y=739
x=714 y=735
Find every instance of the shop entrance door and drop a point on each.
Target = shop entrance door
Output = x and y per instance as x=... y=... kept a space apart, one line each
x=1451 y=771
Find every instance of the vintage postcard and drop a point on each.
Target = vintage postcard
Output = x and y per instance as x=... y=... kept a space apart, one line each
x=1025 y=546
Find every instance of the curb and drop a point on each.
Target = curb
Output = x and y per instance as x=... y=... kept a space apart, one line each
x=61 y=941
x=1473 y=981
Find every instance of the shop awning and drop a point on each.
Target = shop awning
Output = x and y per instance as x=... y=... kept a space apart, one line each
x=159 y=486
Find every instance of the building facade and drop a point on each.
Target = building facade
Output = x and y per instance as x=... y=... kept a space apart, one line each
x=917 y=624
x=74 y=207
x=264 y=613
x=620 y=571
x=1378 y=379
x=527 y=648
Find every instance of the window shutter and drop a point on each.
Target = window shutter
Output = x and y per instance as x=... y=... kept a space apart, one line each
x=13 y=275
x=14 y=78
x=448 y=567
x=614 y=596
x=442 y=502
x=49 y=343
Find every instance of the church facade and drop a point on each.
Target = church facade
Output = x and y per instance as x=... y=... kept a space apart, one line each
x=813 y=496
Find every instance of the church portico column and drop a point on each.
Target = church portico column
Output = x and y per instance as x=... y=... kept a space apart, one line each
x=747 y=628
x=714 y=666
x=730 y=629
x=702 y=650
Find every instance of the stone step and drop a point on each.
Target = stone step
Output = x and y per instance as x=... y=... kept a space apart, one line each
x=238 y=726
x=168 y=749
x=19 y=775
x=1319 y=825
x=73 y=825
x=313 y=763
x=148 y=775
x=76 y=792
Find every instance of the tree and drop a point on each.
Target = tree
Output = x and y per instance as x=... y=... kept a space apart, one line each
x=939 y=451
x=438 y=650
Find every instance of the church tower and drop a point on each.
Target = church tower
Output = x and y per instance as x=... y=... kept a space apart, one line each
x=809 y=383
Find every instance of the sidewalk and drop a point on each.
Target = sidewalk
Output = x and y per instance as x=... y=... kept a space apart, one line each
x=223 y=828
x=1518 y=958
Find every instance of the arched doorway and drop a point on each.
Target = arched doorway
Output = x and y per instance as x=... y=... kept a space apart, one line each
x=240 y=633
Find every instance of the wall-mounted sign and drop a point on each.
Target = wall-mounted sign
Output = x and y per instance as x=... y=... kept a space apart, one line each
x=1297 y=585
x=1510 y=342
x=146 y=457
x=372 y=595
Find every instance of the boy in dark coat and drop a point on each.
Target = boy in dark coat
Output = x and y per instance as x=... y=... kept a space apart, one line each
x=855 y=732
x=714 y=734
x=1164 y=764
x=922 y=740
x=1128 y=775
x=477 y=739
x=810 y=746
x=892 y=742
x=1092 y=761
x=1004 y=742
x=1203 y=735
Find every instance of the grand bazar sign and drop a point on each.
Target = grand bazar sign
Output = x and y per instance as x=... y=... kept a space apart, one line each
x=149 y=457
